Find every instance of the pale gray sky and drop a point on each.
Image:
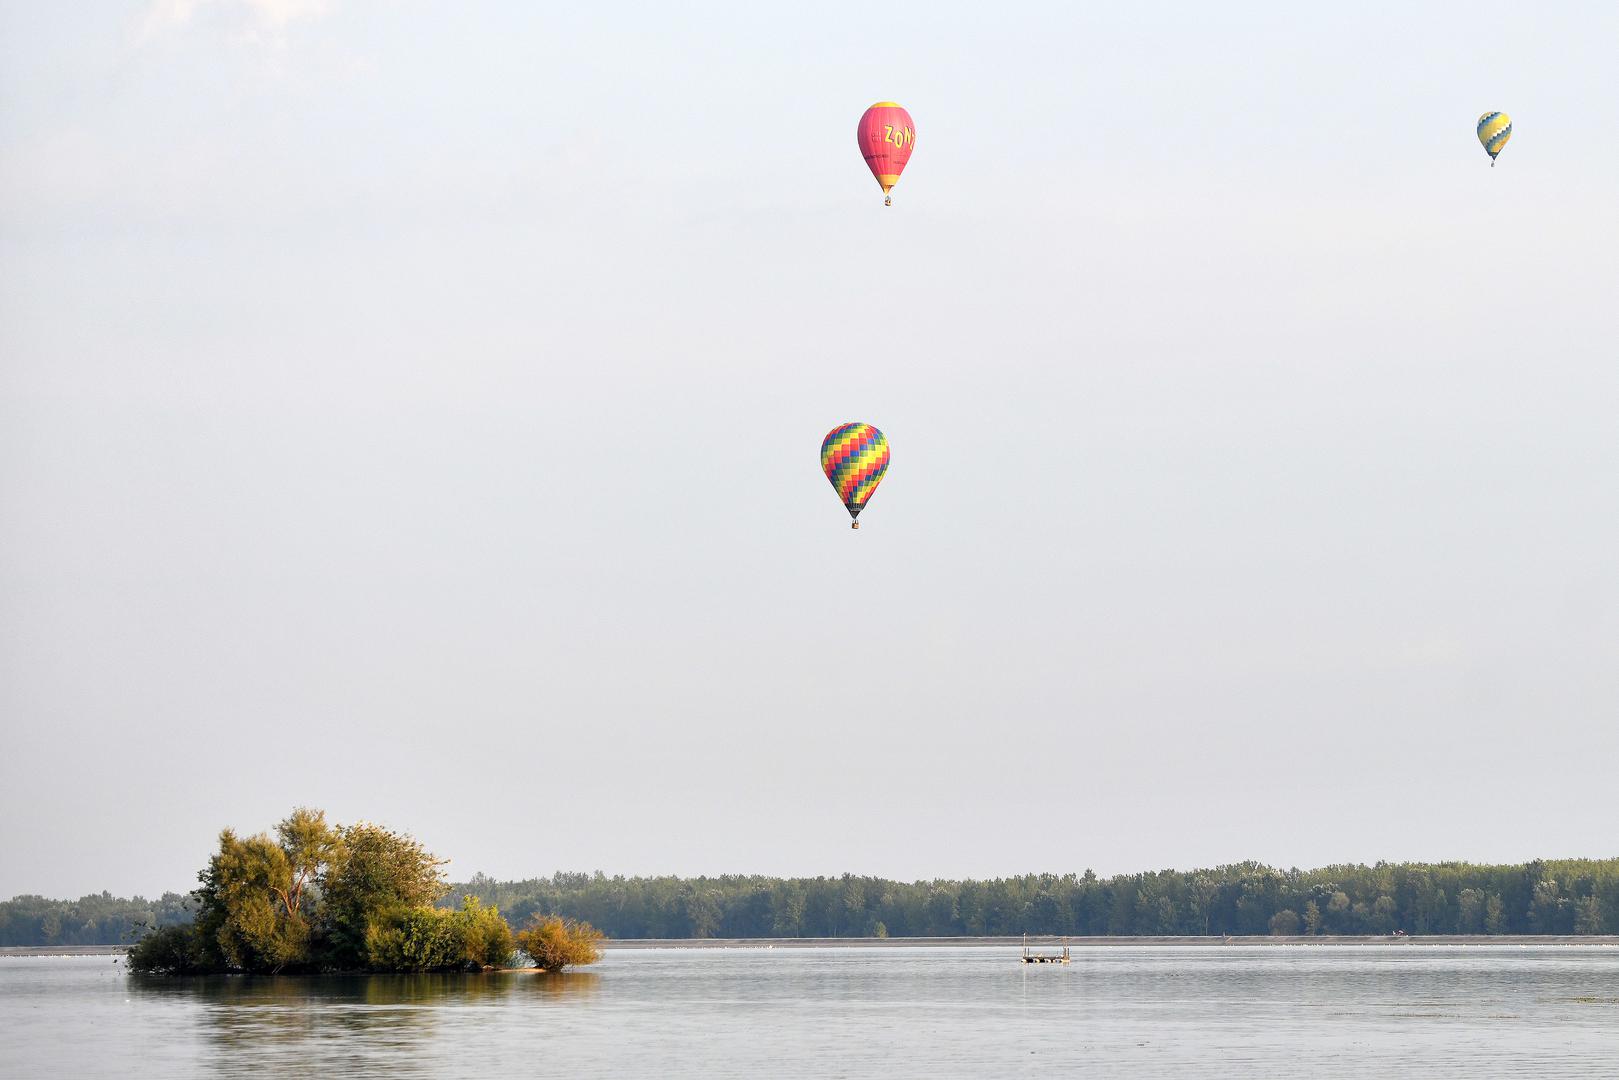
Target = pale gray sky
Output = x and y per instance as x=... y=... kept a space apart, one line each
x=412 y=410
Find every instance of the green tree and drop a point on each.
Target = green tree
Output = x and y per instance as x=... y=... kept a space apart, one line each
x=1119 y=920
x=1470 y=912
x=309 y=845
x=940 y=906
x=787 y=910
x=1588 y=916
x=1381 y=919
x=1312 y=917
x=703 y=913
x=1430 y=907
x=375 y=874
x=1495 y=915
x=1340 y=913
x=251 y=907
x=852 y=904
x=1546 y=908
x=1202 y=891
x=254 y=903
x=1285 y=923
x=1046 y=915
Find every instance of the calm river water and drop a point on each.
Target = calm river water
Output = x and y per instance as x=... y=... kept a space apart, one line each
x=1475 y=1011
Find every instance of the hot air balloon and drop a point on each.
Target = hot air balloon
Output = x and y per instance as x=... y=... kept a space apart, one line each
x=854 y=457
x=886 y=136
x=1494 y=129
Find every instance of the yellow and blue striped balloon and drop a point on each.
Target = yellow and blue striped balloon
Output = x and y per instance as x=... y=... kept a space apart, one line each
x=1494 y=129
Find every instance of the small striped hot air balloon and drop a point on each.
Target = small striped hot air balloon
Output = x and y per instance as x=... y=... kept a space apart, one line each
x=886 y=135
x=854 y=457
x=1494 y=129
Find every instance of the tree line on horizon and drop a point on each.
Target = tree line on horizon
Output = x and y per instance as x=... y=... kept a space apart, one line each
x=1569 y=896
x=97 y=919
x=1561 y=896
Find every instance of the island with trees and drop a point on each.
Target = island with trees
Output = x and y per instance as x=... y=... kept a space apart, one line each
x=318 y=897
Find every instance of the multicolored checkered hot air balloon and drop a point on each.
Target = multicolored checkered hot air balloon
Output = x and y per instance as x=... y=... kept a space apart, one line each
x=854 y=457
x=1494 y=129
x=886 y=137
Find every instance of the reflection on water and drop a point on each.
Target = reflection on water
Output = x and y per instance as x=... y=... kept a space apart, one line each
x=936 y=1013
x=348 y=1025
x=369 y=990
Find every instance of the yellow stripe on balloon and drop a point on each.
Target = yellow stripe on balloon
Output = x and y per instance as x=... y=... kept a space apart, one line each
x=1494 y=129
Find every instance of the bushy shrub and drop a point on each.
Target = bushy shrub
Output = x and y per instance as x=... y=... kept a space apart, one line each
x=172 y=950
x=415 y=939
x=486 y=937
x=439 y=939
x=555 y=943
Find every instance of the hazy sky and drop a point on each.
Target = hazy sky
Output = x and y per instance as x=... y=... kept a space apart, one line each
x=412 y=410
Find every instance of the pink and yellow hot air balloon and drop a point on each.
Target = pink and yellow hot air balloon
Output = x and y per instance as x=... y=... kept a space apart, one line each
x=854 y=457
x=886 y=136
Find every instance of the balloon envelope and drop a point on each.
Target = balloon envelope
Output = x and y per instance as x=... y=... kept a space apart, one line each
x=1494 y=129
x=886 y=136
x=854 y=457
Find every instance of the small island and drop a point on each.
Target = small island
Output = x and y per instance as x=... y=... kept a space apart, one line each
x=317 y=897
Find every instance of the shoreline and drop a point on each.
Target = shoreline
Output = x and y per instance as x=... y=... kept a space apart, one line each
x=1044 y=941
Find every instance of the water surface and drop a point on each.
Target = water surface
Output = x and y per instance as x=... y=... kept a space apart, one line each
x=1474 y=1011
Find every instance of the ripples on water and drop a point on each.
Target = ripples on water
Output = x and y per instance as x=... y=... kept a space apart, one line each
x=1472 y=1011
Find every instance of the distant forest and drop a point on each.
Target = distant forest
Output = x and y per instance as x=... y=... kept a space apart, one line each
x=1575 y=896
x=98 y=919
x=1568 y=896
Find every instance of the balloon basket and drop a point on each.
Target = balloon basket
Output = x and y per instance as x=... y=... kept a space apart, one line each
x=854 y=524
x=888 y=200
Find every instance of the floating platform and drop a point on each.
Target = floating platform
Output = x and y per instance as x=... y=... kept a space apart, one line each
x=1045 y=958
